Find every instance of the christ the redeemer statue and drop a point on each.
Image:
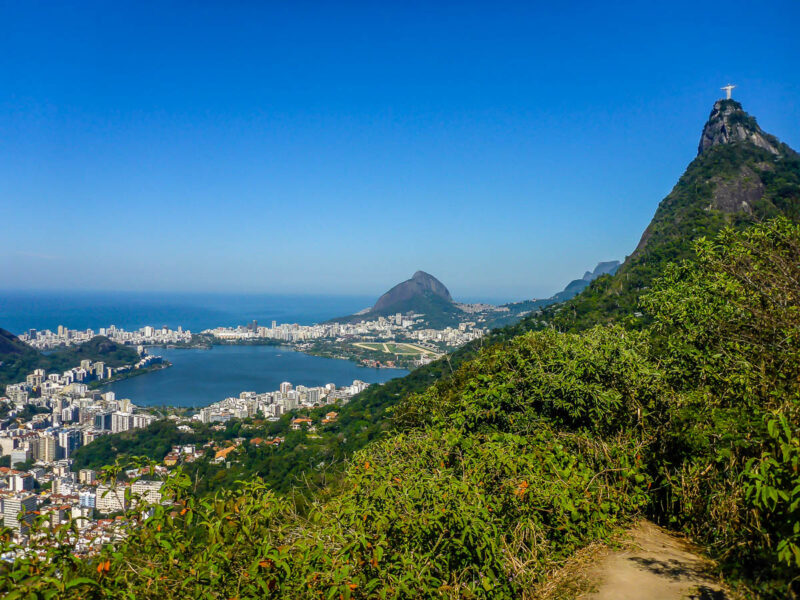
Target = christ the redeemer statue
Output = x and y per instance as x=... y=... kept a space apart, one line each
x=728 y=89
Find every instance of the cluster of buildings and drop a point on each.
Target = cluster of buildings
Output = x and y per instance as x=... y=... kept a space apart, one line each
x=73 y=380
x=289 y=332
x=43 y=421
x=272 y=405
x=398 y=327
x=53 y=495
x=50 y=427
x=46 y=339
x=449 y=336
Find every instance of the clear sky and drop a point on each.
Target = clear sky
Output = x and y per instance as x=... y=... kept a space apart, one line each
x=309 y=147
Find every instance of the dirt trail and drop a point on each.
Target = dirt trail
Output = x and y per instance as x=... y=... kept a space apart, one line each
x=654 y=565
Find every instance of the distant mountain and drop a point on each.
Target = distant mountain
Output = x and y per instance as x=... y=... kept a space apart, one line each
x=603 y=268
x=423 y=294
x=517 y=310
x=421 y=285
x=576 y=286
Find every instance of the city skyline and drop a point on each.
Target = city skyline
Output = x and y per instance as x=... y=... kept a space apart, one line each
x=320 y=149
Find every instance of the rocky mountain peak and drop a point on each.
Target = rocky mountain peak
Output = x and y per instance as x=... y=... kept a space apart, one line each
x=430 y=283
x=729 y=123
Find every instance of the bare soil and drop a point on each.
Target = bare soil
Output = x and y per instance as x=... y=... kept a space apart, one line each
x=653 y=564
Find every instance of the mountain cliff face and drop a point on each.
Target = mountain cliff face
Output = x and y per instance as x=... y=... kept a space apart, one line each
x=728 y=124
x=420 y=284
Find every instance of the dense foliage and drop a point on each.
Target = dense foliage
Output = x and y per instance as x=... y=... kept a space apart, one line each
x=532 y=449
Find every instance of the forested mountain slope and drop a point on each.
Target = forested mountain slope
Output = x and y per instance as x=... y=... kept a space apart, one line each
x=732 y=182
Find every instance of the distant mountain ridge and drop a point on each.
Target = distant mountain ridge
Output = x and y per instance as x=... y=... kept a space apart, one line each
x=603 y=268
x=576 y=286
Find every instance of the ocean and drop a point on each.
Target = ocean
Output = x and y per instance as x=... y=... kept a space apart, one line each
x=20 y=311
x=199 y=377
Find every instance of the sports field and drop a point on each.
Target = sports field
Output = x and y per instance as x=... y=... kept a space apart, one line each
x=402 y=348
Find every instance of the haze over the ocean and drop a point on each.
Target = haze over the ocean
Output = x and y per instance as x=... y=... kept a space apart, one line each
x=337 y=148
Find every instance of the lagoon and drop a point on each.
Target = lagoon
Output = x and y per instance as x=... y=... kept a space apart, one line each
x=200 y=377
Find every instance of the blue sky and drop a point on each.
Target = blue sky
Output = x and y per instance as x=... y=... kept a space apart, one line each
x=338 y=147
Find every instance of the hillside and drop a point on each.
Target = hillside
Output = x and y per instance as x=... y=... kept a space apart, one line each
x=741 y=176
x=483 y=474
x=530 y=452
x=18 y=359
x=11 y=345
x=422 y=294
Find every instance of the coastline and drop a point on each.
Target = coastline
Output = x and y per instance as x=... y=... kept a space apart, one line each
x=96 y=385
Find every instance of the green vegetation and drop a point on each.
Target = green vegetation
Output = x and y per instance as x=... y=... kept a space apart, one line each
x=668 y=390
x=19 y=360
x=532 y=449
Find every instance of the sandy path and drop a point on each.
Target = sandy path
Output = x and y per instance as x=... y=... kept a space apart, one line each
x=654 y=565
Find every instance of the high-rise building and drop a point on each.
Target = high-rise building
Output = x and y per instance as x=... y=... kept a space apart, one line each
x=68 y=441
x=15 y=505
x=20 y=455
x=102 y=421
x=88 y=499
x=148 y=492
x=121 y=421
x=87 y=476
x=82 y=516
x=142 y=420
x=286 y=387
x=47 y=448
x=90 y=435
x=21 y=482
x=110 y=499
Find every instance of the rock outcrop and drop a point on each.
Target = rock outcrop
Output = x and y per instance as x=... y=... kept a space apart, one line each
x=729 y=123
